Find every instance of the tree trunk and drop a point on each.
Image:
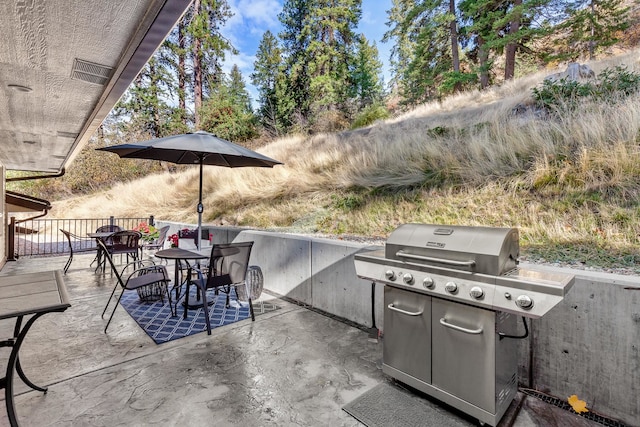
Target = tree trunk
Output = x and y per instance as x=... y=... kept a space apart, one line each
x=510 y=50
x=155 y=116
x=182 y=77
x=592 y=42
x=483 y=58
x=197 y=73
x=455 y=56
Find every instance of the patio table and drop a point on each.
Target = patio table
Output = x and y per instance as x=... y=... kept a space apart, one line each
x=22 y=295
x=99 y=235
x=179 y=255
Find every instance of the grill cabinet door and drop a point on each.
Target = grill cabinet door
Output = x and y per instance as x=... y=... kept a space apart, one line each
x=464 y=352
x=407 y=332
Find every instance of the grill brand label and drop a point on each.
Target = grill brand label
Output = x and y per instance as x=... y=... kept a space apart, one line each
x=435 y=245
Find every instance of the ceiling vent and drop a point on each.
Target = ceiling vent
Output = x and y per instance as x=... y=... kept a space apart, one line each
x=89 y=72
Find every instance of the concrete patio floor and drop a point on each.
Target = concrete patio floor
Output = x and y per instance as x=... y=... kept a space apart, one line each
x=291 y=367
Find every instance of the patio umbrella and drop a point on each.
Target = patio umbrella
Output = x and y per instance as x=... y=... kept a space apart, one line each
x=202 y=148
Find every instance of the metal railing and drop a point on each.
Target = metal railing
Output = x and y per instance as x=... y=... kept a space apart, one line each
x=42 y=237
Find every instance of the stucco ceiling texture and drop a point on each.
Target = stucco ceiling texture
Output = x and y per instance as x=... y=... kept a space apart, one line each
x=63 y=66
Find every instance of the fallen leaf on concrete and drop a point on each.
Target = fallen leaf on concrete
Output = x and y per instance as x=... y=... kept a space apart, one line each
x=578 y=405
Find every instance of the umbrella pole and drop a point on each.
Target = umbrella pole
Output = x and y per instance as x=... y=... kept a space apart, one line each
x=200 y=207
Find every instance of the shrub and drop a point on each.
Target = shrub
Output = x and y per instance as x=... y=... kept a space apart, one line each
x=610 y=86
x=329 y=121
x=228 y=120
x=617 y=81
x=456 y=81
x=370 y=115
x=561 y=95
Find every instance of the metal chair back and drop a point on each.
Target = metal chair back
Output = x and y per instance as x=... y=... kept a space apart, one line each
x=109 y=228
x=126 y=242
x=143 y=275
x=228 y=267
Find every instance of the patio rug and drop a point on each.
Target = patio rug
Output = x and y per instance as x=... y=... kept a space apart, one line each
x=156 y=320
x=388 y=404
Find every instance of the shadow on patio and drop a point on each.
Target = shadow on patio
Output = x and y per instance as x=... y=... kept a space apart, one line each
x=292 y=366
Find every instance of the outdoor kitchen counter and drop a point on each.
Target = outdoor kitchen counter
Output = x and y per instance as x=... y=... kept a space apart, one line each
x=22 y=295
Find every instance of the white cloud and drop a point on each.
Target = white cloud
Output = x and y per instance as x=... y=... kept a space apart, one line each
x=251 y=18
x=263 y=13
x=367 y=18
x=242 y=60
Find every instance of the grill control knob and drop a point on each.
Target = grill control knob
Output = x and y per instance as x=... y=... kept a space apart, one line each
x=524 y=301
x=407 y=278
x=390 y=275
x=476 y=292
x=451 y=287
x=428 y=283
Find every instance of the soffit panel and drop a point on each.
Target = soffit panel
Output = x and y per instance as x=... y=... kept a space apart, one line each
x=39 y=42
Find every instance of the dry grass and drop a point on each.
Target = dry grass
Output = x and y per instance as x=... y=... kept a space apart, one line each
x=569 y=184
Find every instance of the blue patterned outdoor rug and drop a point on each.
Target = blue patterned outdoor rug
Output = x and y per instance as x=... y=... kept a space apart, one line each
x=156 y=320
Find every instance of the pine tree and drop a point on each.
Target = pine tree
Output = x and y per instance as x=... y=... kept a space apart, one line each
x=173 y=54
x=367 y=86
x=284 y=117
x=144 y=107
x=207 y=46
x=479 y=17
x=426 y=33
x=331 y=24
x=238 y=89
x=516 y=27
x=431 y=61
x=267 y=72
x=227 y=112
x=318 y=39
x=594 y=25
x=503 y=27
x=295 y=41
x=515 y=19
x=404 y=41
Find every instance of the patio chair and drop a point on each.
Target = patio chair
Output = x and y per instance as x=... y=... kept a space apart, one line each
x=126 y=242
x=108 y=242
x=145 y=277
x=227 y=269
x=77 y=244
x=188 y=239
x=109 y=228
x=158 y=243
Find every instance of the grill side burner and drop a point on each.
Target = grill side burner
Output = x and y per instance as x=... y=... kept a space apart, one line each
x=450 y=299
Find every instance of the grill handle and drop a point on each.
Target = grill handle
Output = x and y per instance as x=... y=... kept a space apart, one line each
x=408 y=313
x=446 y=324
x=404 y=254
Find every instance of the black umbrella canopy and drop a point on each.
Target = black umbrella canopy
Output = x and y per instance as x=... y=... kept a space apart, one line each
x=200 y=148
x=192 y=148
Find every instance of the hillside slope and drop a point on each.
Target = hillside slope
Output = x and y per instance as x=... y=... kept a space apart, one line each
x=569 y=183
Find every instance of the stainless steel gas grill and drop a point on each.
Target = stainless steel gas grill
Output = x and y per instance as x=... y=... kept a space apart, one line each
x=451 y=298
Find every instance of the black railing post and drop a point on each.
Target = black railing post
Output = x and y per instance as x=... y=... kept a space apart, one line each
x=152 y=220
x=11 y=256
x=112 y=221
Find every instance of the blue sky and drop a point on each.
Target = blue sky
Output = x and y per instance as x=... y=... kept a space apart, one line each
x=253 y=17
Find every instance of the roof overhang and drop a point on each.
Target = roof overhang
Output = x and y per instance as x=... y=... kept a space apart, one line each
x=16 y=202
x=64 y=65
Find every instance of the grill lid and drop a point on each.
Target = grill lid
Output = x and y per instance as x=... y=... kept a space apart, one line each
x=486 y=250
